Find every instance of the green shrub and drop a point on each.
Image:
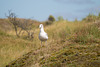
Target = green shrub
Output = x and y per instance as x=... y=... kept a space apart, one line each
x=60 y=18
x=51 y=18
x=48 y=22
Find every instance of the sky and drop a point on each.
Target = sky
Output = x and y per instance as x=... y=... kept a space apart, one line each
x=41 y=9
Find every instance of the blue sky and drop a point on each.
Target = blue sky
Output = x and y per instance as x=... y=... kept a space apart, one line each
x=41 y=9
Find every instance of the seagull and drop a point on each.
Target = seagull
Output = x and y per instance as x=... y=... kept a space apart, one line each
x=42 y=35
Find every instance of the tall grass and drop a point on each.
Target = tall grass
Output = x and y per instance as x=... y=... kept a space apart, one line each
x=79 y=32
x=12 y=47
x=59 y=32
x=87 y=34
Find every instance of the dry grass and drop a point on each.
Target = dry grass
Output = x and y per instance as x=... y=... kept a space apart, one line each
x=74 y=56
x=61 y=34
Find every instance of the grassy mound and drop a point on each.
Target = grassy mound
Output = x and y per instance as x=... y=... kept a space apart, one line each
x=74 y=56
x=69 y=44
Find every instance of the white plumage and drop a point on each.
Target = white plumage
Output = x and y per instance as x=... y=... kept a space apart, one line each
x=42 y=35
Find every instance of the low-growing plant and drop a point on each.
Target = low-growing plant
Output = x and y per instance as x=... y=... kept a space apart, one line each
x=48 y=22
x=87 y=34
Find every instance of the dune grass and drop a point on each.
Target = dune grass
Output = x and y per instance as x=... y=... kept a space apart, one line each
x=85 y=36
x=74 y=56
x=12 y=47
x=64 y=38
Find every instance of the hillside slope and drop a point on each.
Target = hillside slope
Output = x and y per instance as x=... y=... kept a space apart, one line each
x=70 y=44
x=11 y=46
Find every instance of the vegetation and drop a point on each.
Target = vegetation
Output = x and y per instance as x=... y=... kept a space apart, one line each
x=70 y=44
x=60 y=18
x=19 y=25
x=51 y=18
x=48 y=22
x=12 y=18
x=92 y=18
x=74 y=56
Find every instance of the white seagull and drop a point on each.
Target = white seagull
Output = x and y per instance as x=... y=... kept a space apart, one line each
x=42 y=35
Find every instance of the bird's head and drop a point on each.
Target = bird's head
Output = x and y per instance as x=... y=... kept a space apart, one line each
x=40 y=26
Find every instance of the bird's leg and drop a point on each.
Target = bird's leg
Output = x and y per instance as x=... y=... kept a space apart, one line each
x=41 y=43
x=46 y=43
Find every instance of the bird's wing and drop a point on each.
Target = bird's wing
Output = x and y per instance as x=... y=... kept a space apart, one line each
x=46 y=34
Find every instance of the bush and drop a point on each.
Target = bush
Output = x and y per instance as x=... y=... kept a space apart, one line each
x=60 y=18
x=87 y=34
x=51 y=18
x=48 y=22
x=90 y=18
